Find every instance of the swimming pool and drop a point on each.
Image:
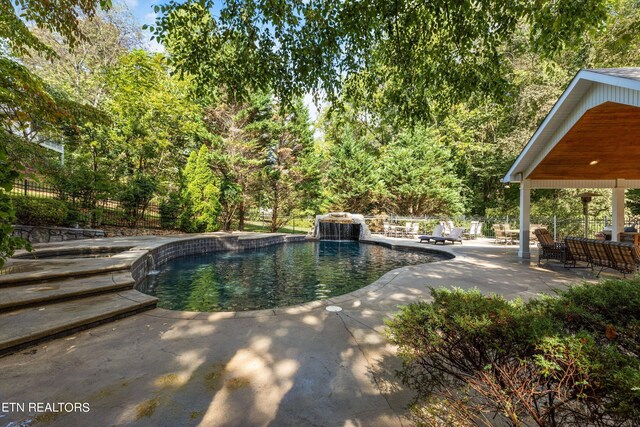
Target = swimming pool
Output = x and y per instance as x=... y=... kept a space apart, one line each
x=273 y=276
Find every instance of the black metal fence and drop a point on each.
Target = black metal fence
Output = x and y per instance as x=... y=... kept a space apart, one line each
x=83 y=208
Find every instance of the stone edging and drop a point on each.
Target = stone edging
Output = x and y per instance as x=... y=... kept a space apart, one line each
x=44 y=234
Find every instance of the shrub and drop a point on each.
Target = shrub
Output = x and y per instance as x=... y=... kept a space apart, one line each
x=8 y=243
x=136 y=195
x=609 y=311
x=482 y=360
x=170 y=210
x=40 y=211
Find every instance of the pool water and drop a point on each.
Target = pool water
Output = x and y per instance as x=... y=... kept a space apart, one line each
x=274 y=276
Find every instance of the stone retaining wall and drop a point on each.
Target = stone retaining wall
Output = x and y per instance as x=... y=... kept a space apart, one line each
x=36 y=234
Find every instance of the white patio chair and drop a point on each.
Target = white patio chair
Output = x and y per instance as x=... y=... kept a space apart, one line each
x=471 y=234
x=446 y=228
x=456 y=235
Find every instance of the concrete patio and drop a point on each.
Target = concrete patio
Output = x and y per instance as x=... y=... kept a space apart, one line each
x=294 y=366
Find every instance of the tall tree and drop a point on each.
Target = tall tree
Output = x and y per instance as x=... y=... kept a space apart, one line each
x=201 y=194
x=289 y=179
x=238 y=151
x=22 y=94
x=154 y=117
x=418 y=176
x=424 y=48
x=353 y=180
x=79 y=73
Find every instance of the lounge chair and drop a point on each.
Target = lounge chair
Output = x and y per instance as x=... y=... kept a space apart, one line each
x=624 y=257
x=577 y=251
x=472 y=230
x=413 y=230
x=455 y=236
x=547 y=247
x=532 y=234
x=436 y=235
x=408 y=230
x=446 y=227
x=598 y=253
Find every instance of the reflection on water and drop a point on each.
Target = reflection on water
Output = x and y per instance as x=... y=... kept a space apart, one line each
x=275 y=276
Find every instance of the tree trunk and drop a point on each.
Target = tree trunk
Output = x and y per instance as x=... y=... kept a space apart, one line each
x=274 y=213
x=241 y=215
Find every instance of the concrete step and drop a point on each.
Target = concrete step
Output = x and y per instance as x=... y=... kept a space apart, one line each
x=34 y=324
x=53 y=291
x=20 y=272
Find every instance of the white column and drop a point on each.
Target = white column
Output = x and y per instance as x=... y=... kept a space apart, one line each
x=525 y=213
x=617 y=203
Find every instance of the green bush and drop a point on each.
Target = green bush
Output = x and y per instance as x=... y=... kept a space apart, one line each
x=8 y=243
x=170 y=210
x=135 y=197
x=569 y=360
x=40 y=211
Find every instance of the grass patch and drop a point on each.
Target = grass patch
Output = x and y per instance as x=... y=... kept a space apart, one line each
x=147 y=408
x=237 y=382
x=258 y=226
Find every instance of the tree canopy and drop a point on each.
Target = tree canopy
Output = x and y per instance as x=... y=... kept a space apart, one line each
x=26 y=104
x=417 y=52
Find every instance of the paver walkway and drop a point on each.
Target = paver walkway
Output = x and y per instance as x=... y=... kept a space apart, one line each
x=297 y=367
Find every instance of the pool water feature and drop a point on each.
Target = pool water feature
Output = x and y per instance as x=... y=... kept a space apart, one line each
x=274 y=276
x=340 y=226
x=338 y=231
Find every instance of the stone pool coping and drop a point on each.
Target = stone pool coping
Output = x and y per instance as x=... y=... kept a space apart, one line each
x=140 y=254
x=306 y=307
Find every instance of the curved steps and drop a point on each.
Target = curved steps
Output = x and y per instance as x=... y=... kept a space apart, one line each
x=26 y=294
x=31 y=312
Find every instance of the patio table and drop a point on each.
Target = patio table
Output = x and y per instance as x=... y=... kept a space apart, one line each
x=511 y=234
x=397 y=228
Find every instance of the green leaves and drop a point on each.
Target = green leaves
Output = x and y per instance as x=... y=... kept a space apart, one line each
x=200 y=195
x=469 y=355
x=8 y=243
x=419 y=48
x=61 y=17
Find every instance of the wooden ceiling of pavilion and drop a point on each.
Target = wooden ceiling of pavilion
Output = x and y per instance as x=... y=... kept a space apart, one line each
x=603 y=144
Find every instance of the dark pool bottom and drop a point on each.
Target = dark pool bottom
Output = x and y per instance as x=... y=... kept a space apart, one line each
x=275 y=276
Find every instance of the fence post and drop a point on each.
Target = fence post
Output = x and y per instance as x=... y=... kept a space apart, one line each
x=294 y=224
x=554 y=227
x=26 y=185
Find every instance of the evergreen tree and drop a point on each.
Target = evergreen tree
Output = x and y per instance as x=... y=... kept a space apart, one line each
x=201 y=194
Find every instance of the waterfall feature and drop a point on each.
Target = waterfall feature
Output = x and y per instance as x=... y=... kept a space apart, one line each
x=341 y=226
